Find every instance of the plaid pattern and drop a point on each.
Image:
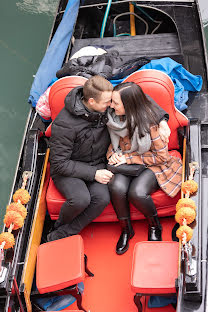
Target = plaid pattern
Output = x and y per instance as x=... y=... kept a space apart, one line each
x=42 y=106
x=167 y=168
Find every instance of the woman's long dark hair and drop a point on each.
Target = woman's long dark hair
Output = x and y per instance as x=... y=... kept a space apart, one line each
x=140 y=111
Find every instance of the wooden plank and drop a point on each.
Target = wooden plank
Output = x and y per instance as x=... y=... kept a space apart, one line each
x=35 y=237
x=166 y=44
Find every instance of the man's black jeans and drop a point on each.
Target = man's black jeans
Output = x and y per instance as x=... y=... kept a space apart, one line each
x=85 y=201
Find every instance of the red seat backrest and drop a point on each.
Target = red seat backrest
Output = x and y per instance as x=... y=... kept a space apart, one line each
x=58 y=92
x=160 y=88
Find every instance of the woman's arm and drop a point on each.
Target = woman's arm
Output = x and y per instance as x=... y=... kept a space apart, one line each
x=158 y=153
x=113 y=157
x=110 y=151
x=162 y=120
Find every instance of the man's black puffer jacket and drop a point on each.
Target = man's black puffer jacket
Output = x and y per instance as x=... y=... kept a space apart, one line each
x=79 y=140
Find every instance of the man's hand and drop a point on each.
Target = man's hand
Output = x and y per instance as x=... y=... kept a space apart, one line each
x=103 y=176
x=164 y=131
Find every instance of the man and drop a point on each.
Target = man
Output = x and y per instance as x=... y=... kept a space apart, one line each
x=78 y=146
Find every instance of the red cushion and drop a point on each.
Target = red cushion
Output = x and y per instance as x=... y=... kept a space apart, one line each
x=154 y=267
x=160 y=87
x=165 y=205
x=58 y=92
x=48 y=131
x=57 y=266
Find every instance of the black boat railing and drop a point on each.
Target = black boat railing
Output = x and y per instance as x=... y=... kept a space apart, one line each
x=191 y=274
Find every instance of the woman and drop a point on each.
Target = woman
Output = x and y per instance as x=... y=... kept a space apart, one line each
x=135 y=139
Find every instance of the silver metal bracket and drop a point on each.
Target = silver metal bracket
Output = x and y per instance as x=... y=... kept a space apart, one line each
x=191 y=264
x=3 y=274
x=27 y=173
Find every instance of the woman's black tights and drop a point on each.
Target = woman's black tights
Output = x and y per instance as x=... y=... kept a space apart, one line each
x=137 y=190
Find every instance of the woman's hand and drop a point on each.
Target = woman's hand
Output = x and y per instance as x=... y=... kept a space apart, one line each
x=115 y=158
x=122 y=161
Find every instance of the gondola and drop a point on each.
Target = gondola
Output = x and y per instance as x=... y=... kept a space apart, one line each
x=161 y=29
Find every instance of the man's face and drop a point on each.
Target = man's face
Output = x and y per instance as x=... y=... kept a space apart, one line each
x=102 y=104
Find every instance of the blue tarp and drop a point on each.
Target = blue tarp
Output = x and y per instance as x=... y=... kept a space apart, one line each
x=160 y=301
x=58 y=303
x=55 y=303
x=183 y=80
x=55 y=53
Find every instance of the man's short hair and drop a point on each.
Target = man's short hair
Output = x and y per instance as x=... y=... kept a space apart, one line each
x=94 y=87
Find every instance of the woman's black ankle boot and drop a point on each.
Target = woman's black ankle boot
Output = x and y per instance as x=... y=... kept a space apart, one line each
x=126 y=234
x=155 y=228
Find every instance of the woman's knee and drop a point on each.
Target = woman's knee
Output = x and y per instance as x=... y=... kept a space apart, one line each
x=143 y=185
x=118 y=186
x=137 y=193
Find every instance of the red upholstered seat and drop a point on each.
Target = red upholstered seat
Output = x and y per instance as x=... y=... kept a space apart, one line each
x=57 y=266
x=154 y=267
x=165 y=205
x=160 y=87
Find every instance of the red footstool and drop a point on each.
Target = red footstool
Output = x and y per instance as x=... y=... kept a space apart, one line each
x=154 y=269
x=61 y=264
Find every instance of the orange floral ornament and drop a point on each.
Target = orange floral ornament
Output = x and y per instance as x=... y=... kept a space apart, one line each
x=8 y=239
x=186 y=213
x=12 y=217
x=184 y=229
x=21 y=195
x=189 y=187
x=18 y=208
x=185 y=202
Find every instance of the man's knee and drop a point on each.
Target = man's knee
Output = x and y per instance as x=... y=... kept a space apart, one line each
x=105 y=200
x=100 y=206
x=79 y=202
x=101 y=197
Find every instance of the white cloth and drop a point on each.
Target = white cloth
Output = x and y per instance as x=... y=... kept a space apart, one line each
x=88 y=51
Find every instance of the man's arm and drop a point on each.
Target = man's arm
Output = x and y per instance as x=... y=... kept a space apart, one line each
x=164 y=131
x=163 y=118
x=162 y=114
x=61 y=148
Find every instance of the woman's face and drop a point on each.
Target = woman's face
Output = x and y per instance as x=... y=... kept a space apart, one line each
x=117 y=104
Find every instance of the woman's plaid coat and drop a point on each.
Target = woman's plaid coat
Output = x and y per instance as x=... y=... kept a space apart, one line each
x=167 y=168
